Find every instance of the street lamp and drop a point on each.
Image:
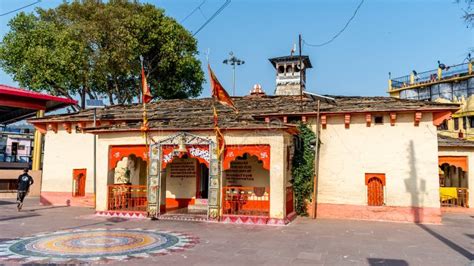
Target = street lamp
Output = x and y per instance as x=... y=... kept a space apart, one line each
x=94 y=104
x=233 y=61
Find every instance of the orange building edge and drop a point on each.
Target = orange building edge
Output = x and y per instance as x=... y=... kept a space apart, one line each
x=425 y=215
x=66 y=199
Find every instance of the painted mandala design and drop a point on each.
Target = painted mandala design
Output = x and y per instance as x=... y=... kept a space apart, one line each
x=95 y=245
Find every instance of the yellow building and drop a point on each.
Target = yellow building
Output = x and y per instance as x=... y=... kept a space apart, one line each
x=444 y=84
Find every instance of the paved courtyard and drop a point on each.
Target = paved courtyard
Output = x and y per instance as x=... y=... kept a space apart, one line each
x=305 y=241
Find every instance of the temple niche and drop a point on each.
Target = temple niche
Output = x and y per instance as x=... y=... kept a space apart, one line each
x=130 y=170
x=246 y=171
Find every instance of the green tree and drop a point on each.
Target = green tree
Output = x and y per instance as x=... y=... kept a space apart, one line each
x=303 y=168
x=90 y=49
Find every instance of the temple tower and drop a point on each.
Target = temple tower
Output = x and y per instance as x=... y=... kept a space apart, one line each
x=290 y=76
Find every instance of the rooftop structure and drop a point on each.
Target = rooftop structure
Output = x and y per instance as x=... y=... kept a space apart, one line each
x=195 y=114
x=18 y=104
x=290 y=76
x=453 y=83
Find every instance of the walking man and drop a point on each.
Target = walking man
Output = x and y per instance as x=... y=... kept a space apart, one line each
x=24 y=183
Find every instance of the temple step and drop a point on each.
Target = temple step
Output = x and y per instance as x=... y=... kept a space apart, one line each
x=199 y=206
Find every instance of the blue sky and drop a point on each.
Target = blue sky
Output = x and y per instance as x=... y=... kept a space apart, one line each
x=385 y=36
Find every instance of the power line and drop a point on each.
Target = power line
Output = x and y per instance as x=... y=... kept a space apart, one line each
x=340 y=32
x=18 y=9
x=194 y=11
x=227 y=2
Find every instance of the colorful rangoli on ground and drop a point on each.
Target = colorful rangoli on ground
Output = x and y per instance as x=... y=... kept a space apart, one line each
x=94 y=245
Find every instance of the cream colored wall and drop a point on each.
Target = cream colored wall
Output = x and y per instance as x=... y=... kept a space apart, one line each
x=181 y=188
x=64 y=152
x=460 y=151
x=406 y=154
x=273 y=138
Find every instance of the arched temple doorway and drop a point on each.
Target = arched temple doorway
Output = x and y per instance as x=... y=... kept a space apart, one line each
x=453 y=181
x=185 y=186
x=183 y=177
x=127 y=178
x=246 y=180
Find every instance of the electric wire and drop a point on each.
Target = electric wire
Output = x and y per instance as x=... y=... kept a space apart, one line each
x=227 y=2
x=20 y=8
x=340 y=32
x=194 y=11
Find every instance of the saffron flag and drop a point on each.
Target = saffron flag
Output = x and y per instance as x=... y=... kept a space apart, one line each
x=146 y=93
x=218 y=92
x=219 y=135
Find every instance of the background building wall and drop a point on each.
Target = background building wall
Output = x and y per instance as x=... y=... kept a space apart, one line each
x=406 y=154
x=9 y=174
x=64 y=152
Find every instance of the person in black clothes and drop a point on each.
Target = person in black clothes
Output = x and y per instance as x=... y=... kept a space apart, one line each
x=24 y=183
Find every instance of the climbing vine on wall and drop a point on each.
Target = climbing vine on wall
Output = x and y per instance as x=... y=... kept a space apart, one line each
x=303 y=168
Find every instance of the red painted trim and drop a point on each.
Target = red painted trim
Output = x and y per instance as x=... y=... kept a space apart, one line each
x=124 y=214
x=459 y=161
x=53 y=127
x=8 y=90
x=13 y=101
x=67 y=127
x=368 y=119
x=66 y=199
x=323 y=121
x=418 y=116
x=41 y=127
x=393 y=118
x=438 y=118
x=231 y=152
x=379 y=213
x=313 y=114
x=370 y=175
x=177 y=203
x=347 y=120
x=288 y=128
x=80 y=182
x=118 y=152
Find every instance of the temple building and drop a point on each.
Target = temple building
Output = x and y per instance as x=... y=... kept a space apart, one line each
x=378 y=156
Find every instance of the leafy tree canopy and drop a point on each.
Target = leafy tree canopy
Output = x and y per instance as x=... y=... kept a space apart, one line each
x=92 y=49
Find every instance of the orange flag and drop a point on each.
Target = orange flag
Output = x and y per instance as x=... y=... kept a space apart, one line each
x=219 y=135
x=146 y=93
x=218 y=92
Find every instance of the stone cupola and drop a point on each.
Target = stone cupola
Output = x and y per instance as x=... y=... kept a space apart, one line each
x=290 y=76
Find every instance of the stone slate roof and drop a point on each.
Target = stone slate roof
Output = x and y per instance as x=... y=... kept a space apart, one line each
x=186 y=114
x=445 y=141
x=384 y=104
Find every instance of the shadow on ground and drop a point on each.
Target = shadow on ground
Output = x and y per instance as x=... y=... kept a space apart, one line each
x=388 y=262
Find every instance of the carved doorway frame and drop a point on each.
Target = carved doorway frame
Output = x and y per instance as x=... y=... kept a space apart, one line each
x=155 y=173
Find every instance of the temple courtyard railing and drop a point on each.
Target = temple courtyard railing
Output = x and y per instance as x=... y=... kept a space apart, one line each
x=254 y=201
x=127 y=198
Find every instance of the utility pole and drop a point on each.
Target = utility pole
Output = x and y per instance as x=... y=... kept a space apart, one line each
x=233 y=61
x=301 y=72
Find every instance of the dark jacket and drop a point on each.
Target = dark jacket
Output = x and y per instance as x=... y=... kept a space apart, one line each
x=24 y=182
